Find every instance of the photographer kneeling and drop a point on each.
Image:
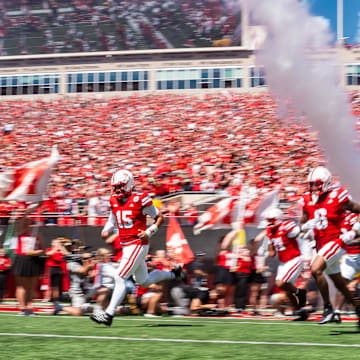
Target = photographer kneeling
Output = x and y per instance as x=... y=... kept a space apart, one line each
x=80 y=266
x=200 y=300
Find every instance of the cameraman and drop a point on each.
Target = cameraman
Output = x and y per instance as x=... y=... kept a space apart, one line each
x=80 y=268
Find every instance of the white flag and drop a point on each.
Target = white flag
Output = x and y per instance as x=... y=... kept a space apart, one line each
x=268 y=201
x=28 y=182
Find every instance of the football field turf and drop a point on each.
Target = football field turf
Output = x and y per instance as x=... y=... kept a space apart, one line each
x=64 y=337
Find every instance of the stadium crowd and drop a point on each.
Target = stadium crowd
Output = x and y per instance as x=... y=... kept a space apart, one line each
x=161 y=140
x=50 y=26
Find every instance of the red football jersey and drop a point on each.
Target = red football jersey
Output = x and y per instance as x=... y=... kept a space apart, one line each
x=328 y=211
x=348 y=222
x=129 y=216
x=286 y=247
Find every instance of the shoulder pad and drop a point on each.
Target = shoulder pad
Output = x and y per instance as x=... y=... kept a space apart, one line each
x=288 y=225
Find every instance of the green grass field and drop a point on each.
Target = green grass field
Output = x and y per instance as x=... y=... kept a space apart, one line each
x=64 y=337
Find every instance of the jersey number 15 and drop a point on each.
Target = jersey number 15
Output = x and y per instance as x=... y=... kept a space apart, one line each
x=124 y=219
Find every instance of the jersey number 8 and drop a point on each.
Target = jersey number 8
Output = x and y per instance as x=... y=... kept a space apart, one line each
x=320 y=216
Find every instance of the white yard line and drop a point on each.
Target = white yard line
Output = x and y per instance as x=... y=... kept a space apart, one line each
x=203 y=320
x=181 y=340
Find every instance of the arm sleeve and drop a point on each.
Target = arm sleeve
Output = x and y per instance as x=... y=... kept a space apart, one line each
x=150 y=210
x=111 y=222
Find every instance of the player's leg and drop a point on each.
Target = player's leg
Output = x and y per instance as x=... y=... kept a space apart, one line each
x=329 y=255
x=341 y=285
x=317 y=268
x=290 y=290
x=348 y=271
x=285 y=279
x=133 y=256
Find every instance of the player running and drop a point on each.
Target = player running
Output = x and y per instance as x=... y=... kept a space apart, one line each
x=350 y=264
x=283 y=241
x=128 y=211
x=323 y=210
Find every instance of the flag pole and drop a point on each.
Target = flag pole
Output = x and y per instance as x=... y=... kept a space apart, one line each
x=340 y=22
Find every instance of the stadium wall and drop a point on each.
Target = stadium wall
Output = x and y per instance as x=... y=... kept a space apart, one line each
x=91 y=235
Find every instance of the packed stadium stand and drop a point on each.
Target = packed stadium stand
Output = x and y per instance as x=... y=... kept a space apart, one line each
x=154 y=110
x=52 y=26
x=161 y=139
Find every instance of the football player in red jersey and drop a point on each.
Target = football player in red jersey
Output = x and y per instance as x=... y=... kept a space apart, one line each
x=128 y=211
x=283 y=241
x=350 y=264
x=323 y=210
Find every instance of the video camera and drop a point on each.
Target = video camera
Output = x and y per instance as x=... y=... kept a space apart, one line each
x=76 y=248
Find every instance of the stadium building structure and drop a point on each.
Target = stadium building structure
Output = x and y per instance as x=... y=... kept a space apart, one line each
x=123 y=73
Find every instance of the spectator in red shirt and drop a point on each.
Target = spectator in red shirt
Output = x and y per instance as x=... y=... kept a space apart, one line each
x=56 y=265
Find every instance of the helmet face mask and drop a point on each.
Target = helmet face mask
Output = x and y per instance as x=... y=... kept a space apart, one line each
x=272 y=222
x=122 y=183
x=319 y=182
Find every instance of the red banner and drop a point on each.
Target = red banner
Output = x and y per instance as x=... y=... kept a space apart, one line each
x=176 y=243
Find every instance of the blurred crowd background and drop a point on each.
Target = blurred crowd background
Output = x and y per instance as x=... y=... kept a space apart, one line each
x=171 y=143
x=54 y=26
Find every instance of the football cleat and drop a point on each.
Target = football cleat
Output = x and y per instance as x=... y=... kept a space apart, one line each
x=327 y=315
x=179 y=274
x=102 y=318
x=336 y=317
x=302 y=298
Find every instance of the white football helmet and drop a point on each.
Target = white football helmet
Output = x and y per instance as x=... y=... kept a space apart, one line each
x=274 y=216
x=122 y=183
x=319 y=181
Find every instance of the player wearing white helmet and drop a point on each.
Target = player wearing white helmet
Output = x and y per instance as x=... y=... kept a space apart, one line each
x=283 y=241
x=122 y=183
x=128 y=211
x=319 y=182
x=323 y=210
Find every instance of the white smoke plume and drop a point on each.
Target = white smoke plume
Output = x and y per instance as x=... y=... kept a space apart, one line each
x=314 y=90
